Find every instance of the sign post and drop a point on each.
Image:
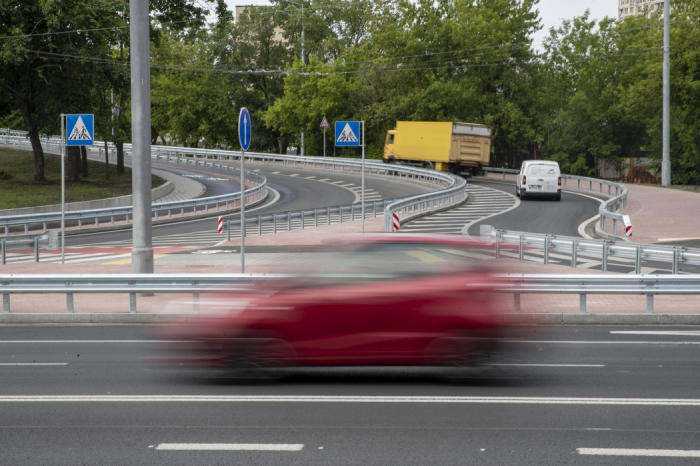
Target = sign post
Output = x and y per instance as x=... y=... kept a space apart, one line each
x=76 y=130
x=324 y=125
x=346 y=135
x=245 y=131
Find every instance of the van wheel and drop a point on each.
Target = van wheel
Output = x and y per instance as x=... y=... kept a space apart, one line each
x=557 y=197
x=517 y=193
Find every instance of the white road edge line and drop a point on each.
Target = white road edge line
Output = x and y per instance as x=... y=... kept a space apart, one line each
x=231 y=446
x=349 y=399
x=559 y=342
x=638 y=452
x=687 y=333
x=96 y=341
x=549 y=365
x=33 y=363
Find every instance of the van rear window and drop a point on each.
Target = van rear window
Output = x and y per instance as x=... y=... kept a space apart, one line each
x=540 y=170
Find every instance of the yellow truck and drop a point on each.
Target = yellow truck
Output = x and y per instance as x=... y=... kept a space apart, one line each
x=461 y=148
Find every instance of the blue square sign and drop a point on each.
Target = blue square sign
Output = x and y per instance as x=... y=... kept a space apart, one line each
x=347 y=133
x=80 y=130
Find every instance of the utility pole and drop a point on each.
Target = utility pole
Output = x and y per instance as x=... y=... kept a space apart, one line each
x=142 y=248
x=303 y=57
x=666 y=154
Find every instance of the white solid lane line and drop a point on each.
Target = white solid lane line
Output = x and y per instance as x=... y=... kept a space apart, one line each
x=33 y=363
x=685 y=333
x=638 y=452
x=559 y=342
x=549 y=365
x=231 y=446
x=95 y=341
x=348 y=399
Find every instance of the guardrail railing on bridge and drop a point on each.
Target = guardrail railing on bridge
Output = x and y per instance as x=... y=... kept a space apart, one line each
x=599 y=249
x=516 y=284
x=452 y=192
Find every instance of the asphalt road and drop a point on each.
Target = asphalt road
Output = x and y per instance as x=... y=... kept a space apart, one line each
x=565 y=390
x=295 y=192
x=541 y=215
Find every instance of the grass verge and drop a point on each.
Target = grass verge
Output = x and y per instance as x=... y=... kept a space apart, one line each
x=21 y=191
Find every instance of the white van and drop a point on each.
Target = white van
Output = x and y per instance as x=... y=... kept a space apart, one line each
x=539 y=178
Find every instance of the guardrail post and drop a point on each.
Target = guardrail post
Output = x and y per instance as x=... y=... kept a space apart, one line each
x=3 y=252
x=609 y=189
x=315 y=217
x=579 y=184
x=516 y=302
x=69 y=302
x=638 y=260
x=302 y=219
x=650 y=304
x=80 y=223
x=352 y=213
x=674 y=268
x=328 y=215
x=574 y=253
x=498 y=244
x=6 y=302
x=582 y=303
x=340 y=214
x=546 y=249
x=36 y=249
x=521 y=248
x=374 y=209
x=605 y=257
x=182 y=214
x=614 y=226
x=590 y=186
x=170 y=213
x=132 y=303
x=26 y=229
x=112 y=219
x=289 y=221
x=274 y=223
x=259 y=226
x=44 y=227
x=228 y=229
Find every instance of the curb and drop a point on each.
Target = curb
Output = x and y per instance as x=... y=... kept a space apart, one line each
x=511 y=319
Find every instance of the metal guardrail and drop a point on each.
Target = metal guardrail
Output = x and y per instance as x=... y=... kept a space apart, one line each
x=324 y=214
x=517 y=284
x=423 y=204
x=252 y=195
x=599 y=249
x=608 y=209
x=451 y=194
x=47 y=240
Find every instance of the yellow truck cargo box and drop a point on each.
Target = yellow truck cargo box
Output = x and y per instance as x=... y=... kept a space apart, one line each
x=441 y=145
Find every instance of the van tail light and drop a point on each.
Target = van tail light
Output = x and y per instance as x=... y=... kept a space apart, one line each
x=524 y=178
x=560 y=181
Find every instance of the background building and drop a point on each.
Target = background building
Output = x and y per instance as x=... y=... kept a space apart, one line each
x=638 y=7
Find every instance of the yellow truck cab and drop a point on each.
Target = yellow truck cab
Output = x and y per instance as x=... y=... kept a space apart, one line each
x=462 y=148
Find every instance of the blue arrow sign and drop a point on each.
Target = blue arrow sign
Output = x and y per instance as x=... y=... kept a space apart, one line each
x=245 y=128
x=347 y=133
x=80 y=130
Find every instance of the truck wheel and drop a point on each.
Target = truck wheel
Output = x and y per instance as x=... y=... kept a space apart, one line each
x=429 y=165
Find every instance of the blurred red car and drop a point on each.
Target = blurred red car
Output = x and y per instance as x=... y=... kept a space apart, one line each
x=400 y=300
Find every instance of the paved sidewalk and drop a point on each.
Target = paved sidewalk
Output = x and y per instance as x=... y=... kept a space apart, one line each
x=661 y=214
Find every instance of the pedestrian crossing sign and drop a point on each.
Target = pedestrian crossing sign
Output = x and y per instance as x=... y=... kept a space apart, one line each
x=80 y=130
x=347 y=133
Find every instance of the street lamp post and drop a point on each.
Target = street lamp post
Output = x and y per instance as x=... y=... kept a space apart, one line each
x=303 y=59
x=666 y=137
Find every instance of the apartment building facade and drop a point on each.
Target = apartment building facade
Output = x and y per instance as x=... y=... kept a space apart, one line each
x=628 y=8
